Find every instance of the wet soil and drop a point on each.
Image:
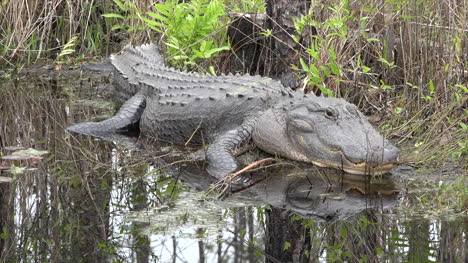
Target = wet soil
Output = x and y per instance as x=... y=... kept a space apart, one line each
x=128 y=199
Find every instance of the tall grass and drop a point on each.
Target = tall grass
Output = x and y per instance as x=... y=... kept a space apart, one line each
x=34 y=29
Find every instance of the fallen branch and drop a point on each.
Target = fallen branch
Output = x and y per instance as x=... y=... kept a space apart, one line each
x=222 y=185
x=250 y=166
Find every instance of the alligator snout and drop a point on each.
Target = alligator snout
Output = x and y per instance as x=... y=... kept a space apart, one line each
x=374 y=156
x=391 y=154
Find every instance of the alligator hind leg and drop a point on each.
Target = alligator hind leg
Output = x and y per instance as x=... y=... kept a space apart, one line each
x=129 y=114
x=219 y=156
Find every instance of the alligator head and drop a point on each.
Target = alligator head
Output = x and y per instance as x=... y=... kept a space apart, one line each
x=327 y=132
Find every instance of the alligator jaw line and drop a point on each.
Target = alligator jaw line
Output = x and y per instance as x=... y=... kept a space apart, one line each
x=360 y=168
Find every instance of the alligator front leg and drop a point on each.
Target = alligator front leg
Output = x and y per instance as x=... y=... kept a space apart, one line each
x=219 y=155
x=129 y=114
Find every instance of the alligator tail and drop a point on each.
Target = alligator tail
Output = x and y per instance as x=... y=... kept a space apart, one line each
x=128 y=115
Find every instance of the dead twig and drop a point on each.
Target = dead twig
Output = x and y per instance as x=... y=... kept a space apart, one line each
x=250 y=166
x=222 y=185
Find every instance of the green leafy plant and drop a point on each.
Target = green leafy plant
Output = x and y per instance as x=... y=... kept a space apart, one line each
x=193 y=31
x=129 y=13
x=67 y=49
x=324 y=65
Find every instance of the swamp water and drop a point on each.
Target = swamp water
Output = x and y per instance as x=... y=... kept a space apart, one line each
x=91 y=200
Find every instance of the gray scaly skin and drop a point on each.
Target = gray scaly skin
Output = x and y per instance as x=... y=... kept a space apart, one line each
x=228 y=111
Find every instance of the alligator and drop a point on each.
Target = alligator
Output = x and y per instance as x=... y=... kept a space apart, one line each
x=227 y=112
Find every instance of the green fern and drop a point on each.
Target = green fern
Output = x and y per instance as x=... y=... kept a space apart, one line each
x=68 y=48
x=193 y=31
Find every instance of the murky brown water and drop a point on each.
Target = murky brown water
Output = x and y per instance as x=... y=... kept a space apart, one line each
x=90 y=200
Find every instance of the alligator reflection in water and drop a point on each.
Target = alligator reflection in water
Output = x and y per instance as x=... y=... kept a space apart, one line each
x=318 y=194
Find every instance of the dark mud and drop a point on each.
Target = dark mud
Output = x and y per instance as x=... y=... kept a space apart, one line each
x=125 y=199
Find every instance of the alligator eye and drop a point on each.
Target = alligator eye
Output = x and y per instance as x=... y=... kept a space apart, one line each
x=331 y=113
